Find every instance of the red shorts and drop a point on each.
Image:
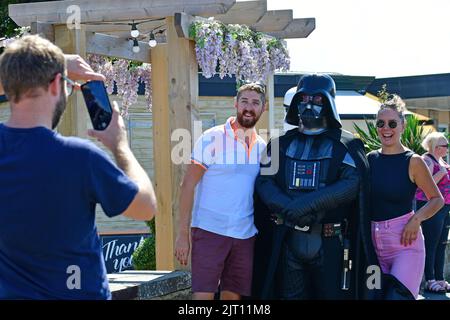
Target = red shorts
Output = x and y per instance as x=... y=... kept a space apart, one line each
x=218 y=259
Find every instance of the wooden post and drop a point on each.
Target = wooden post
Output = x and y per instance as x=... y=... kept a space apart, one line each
x=175 y=94
x=267 y=120
x=45 y=30
x=74 y=121
x=263 y=122
x=271 y=102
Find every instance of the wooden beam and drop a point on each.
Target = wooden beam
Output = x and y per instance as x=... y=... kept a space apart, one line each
x=143 y=27
x=298 y=28
x=182 y=21
x=45 y=30
x=144 y=37
x=274 y=20
x=113 y=10
x=244 y=12
x=175 y=94
x=111 y=46
x=74 y=121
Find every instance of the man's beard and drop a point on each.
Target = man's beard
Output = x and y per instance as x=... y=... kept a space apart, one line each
x=59 y=110
x=245 y=122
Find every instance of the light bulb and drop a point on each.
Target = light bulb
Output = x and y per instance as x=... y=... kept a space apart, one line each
x=152 y=43
x=136 y=48
x=134 y=31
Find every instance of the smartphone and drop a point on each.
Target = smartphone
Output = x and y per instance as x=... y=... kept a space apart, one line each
x=97 y=103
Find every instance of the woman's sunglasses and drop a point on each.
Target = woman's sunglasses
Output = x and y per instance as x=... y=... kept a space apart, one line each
x=391 y=123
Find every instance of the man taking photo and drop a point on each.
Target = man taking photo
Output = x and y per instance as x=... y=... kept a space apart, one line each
x=50 y=184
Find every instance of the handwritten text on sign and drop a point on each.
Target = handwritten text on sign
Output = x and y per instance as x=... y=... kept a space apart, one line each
x=118 y=250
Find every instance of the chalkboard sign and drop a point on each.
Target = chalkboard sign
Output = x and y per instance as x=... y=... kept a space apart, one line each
x=118 y=249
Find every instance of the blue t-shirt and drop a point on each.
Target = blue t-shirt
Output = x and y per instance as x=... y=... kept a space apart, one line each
x=49 y=187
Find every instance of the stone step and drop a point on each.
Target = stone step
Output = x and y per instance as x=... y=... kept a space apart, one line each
x=150 y=285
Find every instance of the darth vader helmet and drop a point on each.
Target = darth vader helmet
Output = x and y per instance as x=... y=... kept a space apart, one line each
x=314 y=104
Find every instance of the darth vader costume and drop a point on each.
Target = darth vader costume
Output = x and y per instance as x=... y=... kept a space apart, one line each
x=312 y=212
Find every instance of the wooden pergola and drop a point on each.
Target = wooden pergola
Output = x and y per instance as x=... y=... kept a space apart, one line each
x=105 y=30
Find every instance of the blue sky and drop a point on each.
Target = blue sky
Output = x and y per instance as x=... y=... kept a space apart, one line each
x=382 y=38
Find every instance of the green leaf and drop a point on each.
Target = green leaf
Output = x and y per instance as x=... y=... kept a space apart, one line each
x=144 y=257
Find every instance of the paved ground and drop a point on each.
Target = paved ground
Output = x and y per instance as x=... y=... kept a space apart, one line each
x=434 y=296
x=132 y=284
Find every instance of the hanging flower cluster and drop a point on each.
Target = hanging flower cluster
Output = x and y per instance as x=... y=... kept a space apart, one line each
x=237 y=50
x=126 y=75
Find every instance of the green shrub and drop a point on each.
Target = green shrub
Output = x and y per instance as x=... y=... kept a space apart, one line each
x=144 y=257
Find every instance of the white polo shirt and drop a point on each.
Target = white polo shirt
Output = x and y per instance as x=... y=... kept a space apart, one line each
x=223 y=201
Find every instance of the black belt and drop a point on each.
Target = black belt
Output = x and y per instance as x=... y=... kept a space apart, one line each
x=327 y=230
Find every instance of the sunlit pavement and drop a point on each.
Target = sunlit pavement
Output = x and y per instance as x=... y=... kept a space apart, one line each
x=434 y=296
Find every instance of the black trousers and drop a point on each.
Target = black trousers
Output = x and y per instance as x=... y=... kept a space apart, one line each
x=310 y=268
x=435 y=233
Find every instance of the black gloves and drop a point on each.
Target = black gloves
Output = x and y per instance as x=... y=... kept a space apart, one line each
x=305 y=209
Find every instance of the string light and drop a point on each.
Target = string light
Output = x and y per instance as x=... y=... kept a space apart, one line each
x=136 y=48
x=152 y=43
x=134 y=31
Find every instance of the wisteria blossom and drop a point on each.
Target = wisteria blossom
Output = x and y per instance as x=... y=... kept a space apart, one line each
x=237 y=50
x=208 y=48
x=125 y=76
x=227 y=67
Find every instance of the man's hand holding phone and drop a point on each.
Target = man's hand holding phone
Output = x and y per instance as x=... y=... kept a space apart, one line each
x=108 y=124
x=114 y=137
x=97 y=103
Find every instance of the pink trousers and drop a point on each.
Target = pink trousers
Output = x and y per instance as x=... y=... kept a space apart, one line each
x=404 y=263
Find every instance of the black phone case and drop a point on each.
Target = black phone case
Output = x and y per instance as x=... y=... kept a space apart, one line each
x=100 y=117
